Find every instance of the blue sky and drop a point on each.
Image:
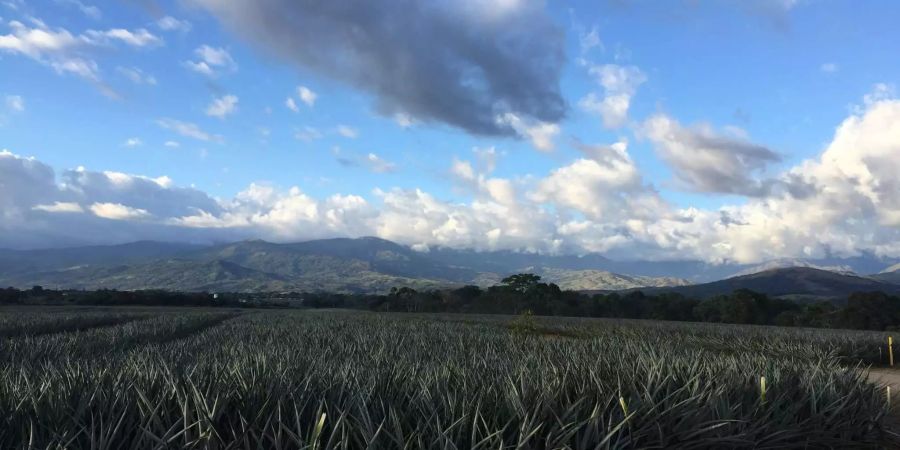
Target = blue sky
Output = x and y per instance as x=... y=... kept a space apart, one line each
x=744 y=94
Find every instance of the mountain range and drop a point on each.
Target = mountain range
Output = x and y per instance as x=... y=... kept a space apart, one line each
x=793 y=282
x=375 y=265
x=889 y=275
x=793 y=262
x=339 y=265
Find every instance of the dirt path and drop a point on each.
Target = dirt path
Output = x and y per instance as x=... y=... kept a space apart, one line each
x=890 y=377
x=886 y=377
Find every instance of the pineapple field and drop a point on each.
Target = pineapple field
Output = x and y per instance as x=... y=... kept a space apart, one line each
x=131 y=378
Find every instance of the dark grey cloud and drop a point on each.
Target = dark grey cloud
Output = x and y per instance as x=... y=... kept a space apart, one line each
x=23 y=183
x=461 y=63
x=38 y=210
x=726 y=219
x=703 y=160
x=371 y=162
x=602 y=154
x=796 y=186
x=156 y=196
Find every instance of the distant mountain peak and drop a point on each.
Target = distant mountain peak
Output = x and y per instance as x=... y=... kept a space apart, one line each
x=787 y=263
x=594 y=280
x=788 y=281
x=373 y=238
x=889 y=275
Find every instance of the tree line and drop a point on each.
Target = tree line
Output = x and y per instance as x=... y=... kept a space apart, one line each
x=524 y=293
x=110 y=297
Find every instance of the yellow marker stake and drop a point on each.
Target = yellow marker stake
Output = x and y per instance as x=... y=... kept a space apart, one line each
x=318 y=431
x=888 y=395
x=891 y=350
x=762 y=389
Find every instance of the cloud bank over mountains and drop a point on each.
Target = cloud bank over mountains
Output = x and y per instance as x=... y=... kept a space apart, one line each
x=845 y=201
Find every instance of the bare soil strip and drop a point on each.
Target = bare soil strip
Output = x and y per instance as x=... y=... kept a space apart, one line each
x=889 y=377
x=886 y=377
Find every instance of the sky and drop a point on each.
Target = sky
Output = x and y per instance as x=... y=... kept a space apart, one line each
x=715 y=130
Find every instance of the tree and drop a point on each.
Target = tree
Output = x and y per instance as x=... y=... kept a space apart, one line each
x=521 y=282
x=405 y=298
x=467 y=293
x=817 y=315
x=871 y=311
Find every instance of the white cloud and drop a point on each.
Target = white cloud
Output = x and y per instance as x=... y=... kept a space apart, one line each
x=38 y=41
x=620 y=83
x=15 y=103
x=60 y=207
x=706 y=161
x=418 y=218
x=214 y=56
x=169 y=23
x=347 y=131
x=84 y=68
x=497 y=190
x=188 y=129
x=463 y=170
x=541 y=134
x=117 y=211
x=67 y=53
x=133 y=142
x=136 y=76
x=58 y=48
x=137 y=38
x=839 y=204
x=223 y=106
x=211 y=61
x=172 y=144
x=404 y=120
x=291 y=104
x=829 y=67
x=605 y=186
x=306 y=95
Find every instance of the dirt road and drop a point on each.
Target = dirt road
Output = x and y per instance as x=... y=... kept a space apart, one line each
x=890 y=377
x=886 y=377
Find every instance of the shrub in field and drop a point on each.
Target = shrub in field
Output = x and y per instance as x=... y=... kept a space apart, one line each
x=524 y=323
